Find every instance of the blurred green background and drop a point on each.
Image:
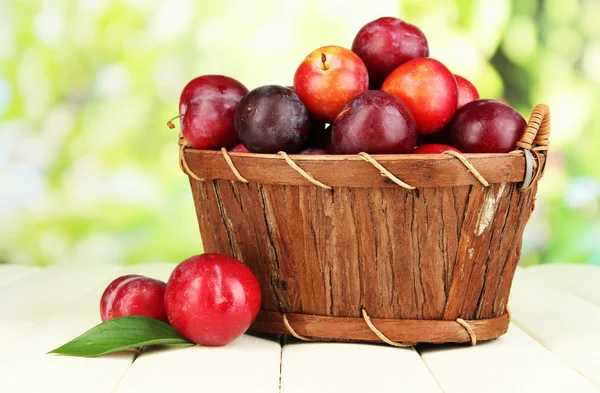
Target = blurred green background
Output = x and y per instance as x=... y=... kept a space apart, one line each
x=88 y=169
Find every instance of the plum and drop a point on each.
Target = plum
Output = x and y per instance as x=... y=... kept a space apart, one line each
x=429 y=90
x=328 y=78
x=386 y=43
x=374 y=122
x=486 y=126
x=211 y=299
x=270 y=119
x=206 y=106
x=133 y=295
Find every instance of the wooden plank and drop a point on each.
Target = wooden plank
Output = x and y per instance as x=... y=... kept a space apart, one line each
x=10 y=273
x=581 y=280
x=249 y=364
x=561 y=321
x=419 y=170
x=27 y=302
x=513 y=363
x=25 y=367
x=349 y=368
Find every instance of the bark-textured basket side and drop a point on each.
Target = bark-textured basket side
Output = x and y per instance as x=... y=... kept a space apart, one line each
x=416 y=260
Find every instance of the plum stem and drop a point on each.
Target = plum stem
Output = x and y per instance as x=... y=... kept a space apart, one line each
x=324 y=61
x=170 y=122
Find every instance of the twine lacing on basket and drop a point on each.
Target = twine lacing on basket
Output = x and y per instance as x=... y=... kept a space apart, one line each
x=182 y=161
x=379 y=333
x=469 y=330
x=186 y=168
x=469 y=166
x=233 y=168
x=365 y=156
x=301 y=171
x=383 y=171
x=289 y=327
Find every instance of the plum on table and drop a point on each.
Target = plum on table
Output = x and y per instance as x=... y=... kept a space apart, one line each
x=133 y=295
x=211 y=299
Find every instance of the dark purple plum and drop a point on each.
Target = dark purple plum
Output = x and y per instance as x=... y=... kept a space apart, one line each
x=386 y=43
x=270 y=119
x=374 y=122
x=486 y=126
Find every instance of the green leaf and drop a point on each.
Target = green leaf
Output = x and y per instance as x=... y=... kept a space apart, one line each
x=119 y=334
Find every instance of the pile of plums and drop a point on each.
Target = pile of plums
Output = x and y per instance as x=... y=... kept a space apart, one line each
x=385 y=96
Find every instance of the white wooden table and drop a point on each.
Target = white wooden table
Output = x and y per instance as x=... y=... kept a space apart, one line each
x=553 y=345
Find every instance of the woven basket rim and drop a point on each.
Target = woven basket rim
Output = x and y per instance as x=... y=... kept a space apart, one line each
x=406 y=170
x=409 y=170
x=328 y=158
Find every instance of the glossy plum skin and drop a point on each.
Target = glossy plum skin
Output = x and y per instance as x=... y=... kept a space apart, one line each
x=486 y=126
x=429 y=90
x=207 y=104
x=467 y=91
x=434 y=148
x=239 y=149
x=386 y=43
x=374 y=122
x=327 y=79
x=133 y=295
x=212 y=299
x=270 y=119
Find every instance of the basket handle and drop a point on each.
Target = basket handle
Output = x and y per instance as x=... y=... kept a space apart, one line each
x=537 y=133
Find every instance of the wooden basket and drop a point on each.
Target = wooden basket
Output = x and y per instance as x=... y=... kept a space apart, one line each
x=396 y=248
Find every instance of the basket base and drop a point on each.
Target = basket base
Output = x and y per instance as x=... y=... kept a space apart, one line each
x=322 y=328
